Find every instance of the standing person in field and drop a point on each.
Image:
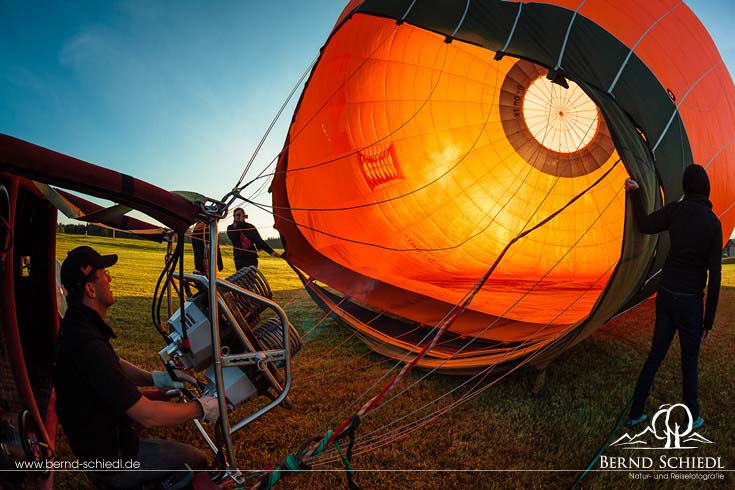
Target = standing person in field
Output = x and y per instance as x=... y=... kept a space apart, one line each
x=696 y=252
x=246 y=241
x=200 y=246
x=97 y=399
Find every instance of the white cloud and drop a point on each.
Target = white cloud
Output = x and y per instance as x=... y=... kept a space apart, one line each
x=87 y=47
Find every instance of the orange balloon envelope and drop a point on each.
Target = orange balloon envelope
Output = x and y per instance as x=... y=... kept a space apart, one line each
x=436 y=138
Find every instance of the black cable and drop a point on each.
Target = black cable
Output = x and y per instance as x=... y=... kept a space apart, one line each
x=155 y=305
x=177 y=257
x=186 y=347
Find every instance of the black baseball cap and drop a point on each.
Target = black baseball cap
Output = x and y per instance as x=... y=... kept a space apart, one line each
x=80 y=265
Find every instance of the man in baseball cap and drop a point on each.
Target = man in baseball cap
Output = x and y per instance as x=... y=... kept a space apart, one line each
x=80 y=266
x=97 y=395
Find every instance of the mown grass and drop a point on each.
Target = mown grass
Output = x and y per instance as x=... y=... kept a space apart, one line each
x=506 y=428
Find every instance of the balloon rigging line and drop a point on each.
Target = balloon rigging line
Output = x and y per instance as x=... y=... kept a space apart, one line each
x=356 y=332
x=521 y=298
x=473 y=392
x=343 y=342
x=461 y=21
x=378 y=434
x=487 y=329
x=566 y=36
x=323 y=318
x=334 y=349
x=273 y=122
x=513 y=29
x=325 y=355
x=339 y=370
x=410 y=7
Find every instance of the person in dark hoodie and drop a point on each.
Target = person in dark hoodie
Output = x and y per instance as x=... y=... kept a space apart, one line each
x=696 y=251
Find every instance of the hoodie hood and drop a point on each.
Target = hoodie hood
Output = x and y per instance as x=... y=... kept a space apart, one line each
x=695 y=181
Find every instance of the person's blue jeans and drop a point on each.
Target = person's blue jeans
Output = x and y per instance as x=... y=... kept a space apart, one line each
x=674 y=312
x=158 y=460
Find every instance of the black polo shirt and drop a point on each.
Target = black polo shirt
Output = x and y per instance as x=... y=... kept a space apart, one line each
x=92 y=393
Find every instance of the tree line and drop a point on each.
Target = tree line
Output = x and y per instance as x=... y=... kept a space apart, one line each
x=95 y=230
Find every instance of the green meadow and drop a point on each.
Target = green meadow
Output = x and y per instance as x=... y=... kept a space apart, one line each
x=517 y=438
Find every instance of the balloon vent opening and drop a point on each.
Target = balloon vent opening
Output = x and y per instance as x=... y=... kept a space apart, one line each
x=557 y=130
x=563 y=120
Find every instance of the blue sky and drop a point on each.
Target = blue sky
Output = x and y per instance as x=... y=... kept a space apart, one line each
x=176 y=93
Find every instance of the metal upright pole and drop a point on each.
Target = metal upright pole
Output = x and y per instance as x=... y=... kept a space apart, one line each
x=169 y=252
x=216 y=343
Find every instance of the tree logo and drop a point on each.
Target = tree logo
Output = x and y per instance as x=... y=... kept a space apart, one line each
x=673 y=424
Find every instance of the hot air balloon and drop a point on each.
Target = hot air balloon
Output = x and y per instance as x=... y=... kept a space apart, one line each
x=434 y=139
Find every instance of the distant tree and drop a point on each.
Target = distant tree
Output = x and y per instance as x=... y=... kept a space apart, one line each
x=224 y=239
x=94 y=230
x=274 y=242
x=75 y=229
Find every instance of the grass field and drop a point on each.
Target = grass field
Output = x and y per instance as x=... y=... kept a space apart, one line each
x=533 y=441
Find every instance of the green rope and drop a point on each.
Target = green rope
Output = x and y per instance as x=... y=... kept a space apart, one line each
x=294 y=463
x=322 y=444
x=345 y=461
x=351 y=485
x=615 y=428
